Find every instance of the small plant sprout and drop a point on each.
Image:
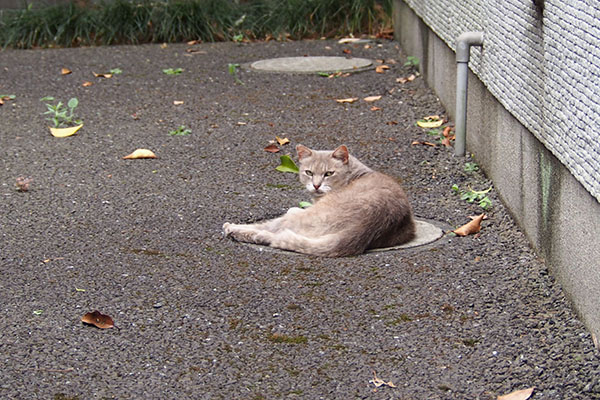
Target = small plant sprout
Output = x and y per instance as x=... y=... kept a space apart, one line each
x=471 y=196
x=412 y=61
x=116 y=71
x=238 y=38
x=180 y=131
x=233 y=69
x=471 y=167
x=59 y=114
x=171 y=71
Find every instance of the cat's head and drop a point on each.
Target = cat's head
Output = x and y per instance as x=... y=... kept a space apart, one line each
x=323 y=171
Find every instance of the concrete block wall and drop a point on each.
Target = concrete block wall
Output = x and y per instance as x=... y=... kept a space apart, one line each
x=553 y=201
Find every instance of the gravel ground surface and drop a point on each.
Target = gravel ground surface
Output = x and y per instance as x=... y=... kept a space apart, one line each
x=203 y=317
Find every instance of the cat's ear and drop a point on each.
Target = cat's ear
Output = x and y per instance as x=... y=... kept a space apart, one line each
x=341 y=153
x=303 y=151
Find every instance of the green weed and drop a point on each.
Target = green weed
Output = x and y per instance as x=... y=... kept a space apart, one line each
x=180 y=131
x=172 y=71
x=59 y=114
x=472 y=196
x=412 y=61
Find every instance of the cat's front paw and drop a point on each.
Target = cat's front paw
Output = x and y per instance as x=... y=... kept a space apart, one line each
x=227 y=229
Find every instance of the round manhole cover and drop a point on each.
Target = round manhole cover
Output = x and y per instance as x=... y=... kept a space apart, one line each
x=312 y=64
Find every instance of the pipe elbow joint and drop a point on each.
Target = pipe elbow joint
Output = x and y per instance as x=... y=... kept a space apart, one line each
x=464 y=43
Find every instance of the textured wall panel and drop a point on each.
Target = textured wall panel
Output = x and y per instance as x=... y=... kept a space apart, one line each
x=544 y=69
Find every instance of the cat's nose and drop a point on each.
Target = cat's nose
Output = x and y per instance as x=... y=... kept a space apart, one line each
x=316 y=186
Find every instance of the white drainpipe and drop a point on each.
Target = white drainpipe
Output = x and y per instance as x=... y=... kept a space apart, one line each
x=463 y=51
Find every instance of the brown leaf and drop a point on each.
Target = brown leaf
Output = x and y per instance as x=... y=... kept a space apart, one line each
x=523 y=394
x=371 y=99
x=392 y=123
x=193 y=42
x=107 y=76
x=446 y=142
x=380 y=69
x=423 y=143
x=347 y=51
x=380 y=382
x=87 y=84
x=98 y=319
x=272 y=148
x=140 y=153
x=472 y=227
x=409 y=78
x=447 y=131
x=23 y=183
x=65 y=71
x=375 y=108
x=348 y=100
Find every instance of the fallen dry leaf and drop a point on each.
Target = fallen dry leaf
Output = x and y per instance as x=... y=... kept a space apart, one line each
x=177 y=102
x=370 y=99
x=23 y=183
x=348 y=40
x=193 y=42
x=375 y=108
x=87 y=84
x=430 y=124
x=348 y=100
x=409 y=78
x=282 y=141
x=64 y=132
x=102 y=75
x=447 y=131
x=523 y=394
x=446 y=142
x=98 y=319
x=472 y=227
x=380 y=382
x=195 y=51
x=423 y=143
x=65 y=71
x=140 y=153
x=4 y=98
x=272 y=148
x=380 y=69
x=347 y=51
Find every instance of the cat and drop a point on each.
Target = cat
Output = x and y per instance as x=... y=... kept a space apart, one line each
x=355 y=209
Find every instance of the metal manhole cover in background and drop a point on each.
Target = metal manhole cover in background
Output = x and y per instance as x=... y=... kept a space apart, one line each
x=305 y=65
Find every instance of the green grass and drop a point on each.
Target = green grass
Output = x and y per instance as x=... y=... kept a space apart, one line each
x=145 y=21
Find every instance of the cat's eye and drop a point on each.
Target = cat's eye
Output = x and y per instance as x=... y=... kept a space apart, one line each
x=308 y=172
x=329 y=173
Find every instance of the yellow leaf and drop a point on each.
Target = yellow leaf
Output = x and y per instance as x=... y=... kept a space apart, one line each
x=64 y=132
x=348 y=100
x=372 y=98
x=282 y=141
x=65 y=71
x=140 y=153
x=87 y=84
x=518 y=395
x=430 y=124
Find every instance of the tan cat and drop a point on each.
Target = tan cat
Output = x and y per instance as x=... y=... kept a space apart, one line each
x=355 y=209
